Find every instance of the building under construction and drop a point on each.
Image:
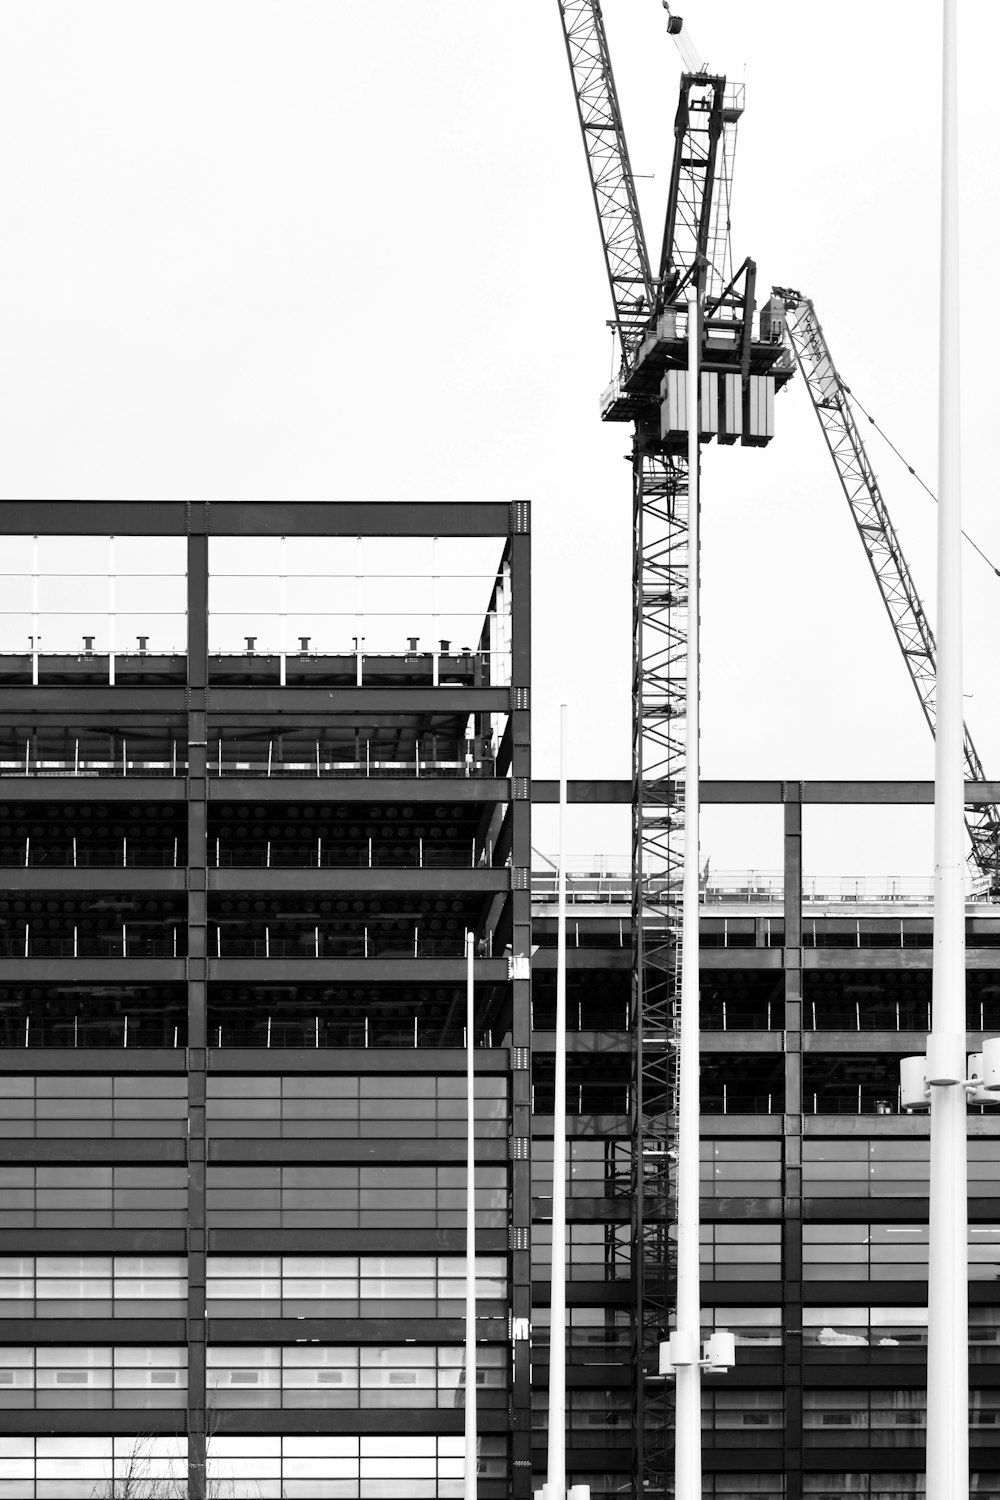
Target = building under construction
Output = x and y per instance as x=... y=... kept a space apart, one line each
x=263 y=769
x=238 y=874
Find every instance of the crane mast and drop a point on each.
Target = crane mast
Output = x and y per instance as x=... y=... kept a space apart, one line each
x=740 y=373
x=882 y=547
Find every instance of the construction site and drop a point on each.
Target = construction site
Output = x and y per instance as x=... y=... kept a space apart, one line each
x=279 y=876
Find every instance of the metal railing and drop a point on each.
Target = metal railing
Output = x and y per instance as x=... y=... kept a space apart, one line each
x=611 y=882
x=77 y=759
x=83 y=944
x=336 y=855
x=77 y=854
x=320 y=1032
x=257 y=760
x=313 y=943
x=90 y=1031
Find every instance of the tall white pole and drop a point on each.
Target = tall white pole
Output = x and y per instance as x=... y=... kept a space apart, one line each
x=471 y=1458
x=34 y=611
x=282 y=609
x=557 y=1315
x=687 y=1453
x=948 y=1291
x=112 y=611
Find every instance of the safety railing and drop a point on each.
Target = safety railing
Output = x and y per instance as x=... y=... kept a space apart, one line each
x=472 y=667
x=334 y=855
x=905 y=1015
x=226 y=759
x=83 y=944
x=767 y=1015
x=732 y=1099
x=853 y=1099
x=91 y=1031
x=81 y=760
x=77 y=854
x=314 y=943
x=613 y=882
x=318 y=1032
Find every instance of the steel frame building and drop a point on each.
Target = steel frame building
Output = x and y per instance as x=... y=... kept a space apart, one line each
x=814 y=1180
x=236 y=885
x=233 y=974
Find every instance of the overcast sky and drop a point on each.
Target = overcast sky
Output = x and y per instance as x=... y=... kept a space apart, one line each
x=348 y=251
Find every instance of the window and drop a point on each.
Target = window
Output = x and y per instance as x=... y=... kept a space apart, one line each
x=740 y=1252
x=93 y=1286
x=350 y=1286
x=365 y=1376
x=353 y=1197
x=84 y=1376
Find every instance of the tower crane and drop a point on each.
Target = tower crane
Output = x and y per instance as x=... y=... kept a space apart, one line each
x=741 y=367
x=863 y=492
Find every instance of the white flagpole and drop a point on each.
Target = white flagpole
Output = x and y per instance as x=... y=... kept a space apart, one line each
x=471 y=1458
x=948 y=1275
x=687 y=1453
x=557 y=1314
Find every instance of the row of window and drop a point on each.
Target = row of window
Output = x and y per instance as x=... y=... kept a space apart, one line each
x=294 y=1286
x=347 y=1467
x=833 y=1252
x=859 y=1417
x=343 y=1106
x=89 y=1376
x=310 y=1375
x=843 y=1327
x=276 y=1197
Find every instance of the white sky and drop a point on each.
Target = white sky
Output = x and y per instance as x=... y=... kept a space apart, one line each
x=348 y=251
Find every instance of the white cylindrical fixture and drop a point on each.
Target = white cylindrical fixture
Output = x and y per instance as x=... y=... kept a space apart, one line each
x=471 y=1460
x=687 y=1456
x=557 y=1315
x=720 y=1350
x=948 y=1275
x=913 y=1082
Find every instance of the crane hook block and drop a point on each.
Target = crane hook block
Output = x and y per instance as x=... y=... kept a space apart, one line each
x=674 y=25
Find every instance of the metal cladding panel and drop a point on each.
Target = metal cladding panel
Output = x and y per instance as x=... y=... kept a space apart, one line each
x=673 y=408
x=708 y=414
x=761 y=406
x=753 y=407
x=732 y=406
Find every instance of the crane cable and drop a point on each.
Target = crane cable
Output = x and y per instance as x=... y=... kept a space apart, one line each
x=847 y=391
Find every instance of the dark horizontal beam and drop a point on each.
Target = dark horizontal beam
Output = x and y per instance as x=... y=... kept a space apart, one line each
x=300 y=1150
x=251 y=518
x=381 y=879
x=313 y=970
x=353 y=1060
x=847 y=793
x=100 y=878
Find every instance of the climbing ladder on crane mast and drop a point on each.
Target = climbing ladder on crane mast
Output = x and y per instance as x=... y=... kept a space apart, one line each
x=741 y=368
x=831 y=402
